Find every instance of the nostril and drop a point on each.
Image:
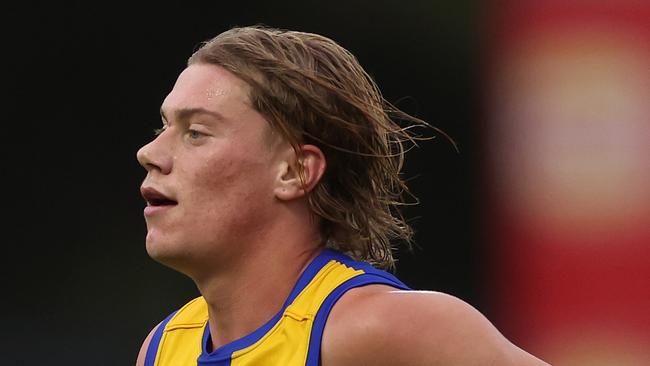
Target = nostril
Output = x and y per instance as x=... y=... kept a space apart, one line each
x=155 y=156
x=142 y=157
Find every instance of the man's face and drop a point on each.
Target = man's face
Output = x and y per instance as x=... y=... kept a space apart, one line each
x=210 y=172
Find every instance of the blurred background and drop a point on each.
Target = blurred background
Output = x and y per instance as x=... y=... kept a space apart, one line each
x=541 y=220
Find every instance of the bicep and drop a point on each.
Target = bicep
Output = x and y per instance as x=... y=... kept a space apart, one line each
x=145 y=346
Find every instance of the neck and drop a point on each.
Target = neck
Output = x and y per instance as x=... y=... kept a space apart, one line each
x=245 y=298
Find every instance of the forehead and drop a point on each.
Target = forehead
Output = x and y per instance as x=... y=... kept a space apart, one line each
x=207 y=86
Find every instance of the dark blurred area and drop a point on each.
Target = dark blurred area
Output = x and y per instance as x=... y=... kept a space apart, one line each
x=85 y=84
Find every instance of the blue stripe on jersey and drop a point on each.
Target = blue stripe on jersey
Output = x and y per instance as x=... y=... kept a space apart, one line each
x=152 y=350
x=222 y=355
x=372 y=277
x=212 y=359
x=367 y=268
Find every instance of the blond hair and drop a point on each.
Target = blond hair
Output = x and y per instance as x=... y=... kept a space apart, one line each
x=313 y=91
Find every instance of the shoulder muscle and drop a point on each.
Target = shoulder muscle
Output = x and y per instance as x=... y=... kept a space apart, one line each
x=145 y=346
x=381 y=326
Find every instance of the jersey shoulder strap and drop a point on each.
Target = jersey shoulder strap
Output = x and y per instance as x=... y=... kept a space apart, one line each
x=177 y=340
x=365 y=275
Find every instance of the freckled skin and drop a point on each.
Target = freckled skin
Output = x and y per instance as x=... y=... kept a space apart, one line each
x=221 y=180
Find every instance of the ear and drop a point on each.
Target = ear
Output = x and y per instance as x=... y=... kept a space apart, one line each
x=300 y=172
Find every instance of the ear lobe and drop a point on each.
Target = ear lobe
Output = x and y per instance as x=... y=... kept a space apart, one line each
x=301 y=174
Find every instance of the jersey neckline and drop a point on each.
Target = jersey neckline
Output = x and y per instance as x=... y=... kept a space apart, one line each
x=225 y=352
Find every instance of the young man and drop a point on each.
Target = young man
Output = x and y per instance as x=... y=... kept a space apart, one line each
x=273 y=185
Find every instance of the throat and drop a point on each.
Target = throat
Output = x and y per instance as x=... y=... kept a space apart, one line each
x=246 y=303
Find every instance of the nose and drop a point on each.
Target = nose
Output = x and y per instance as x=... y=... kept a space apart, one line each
x=156 y=155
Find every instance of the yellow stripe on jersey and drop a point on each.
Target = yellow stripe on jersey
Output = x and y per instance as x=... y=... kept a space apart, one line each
x=181 y=340
x=291 y=338
x=295 y=326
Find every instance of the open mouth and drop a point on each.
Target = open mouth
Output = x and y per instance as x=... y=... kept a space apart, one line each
x=155 y=198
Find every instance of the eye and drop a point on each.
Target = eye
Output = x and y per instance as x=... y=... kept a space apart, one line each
x=194 y=134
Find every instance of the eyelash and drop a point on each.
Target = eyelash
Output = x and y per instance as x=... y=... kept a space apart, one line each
x=158 y=131
x=194 y=134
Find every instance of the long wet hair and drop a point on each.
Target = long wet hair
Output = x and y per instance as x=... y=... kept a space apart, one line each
x=313 y=91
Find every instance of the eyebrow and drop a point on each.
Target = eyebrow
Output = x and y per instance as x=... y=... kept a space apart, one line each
x=185 y=113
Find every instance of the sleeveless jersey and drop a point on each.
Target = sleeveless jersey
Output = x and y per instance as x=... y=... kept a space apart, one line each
x=291 y=338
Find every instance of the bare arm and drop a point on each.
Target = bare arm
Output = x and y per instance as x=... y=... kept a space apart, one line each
x=380 y=326
x=145 y=345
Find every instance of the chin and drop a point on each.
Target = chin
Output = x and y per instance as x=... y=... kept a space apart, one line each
x=173 y=254
x=171 y=259
x=162 y=249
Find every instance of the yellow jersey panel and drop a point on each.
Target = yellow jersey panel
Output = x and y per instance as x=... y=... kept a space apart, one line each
x=291 y=338
x=180 y=333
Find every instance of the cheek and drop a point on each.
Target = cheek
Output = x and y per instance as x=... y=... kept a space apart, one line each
x=230 y=186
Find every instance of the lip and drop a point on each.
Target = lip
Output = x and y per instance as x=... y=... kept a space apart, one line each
x=154 y=198
x=152 y=210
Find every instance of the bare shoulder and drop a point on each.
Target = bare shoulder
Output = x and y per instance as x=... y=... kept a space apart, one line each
x=145 y=345
x=378 y=325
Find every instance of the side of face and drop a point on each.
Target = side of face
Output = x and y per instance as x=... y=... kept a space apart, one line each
x=214 y=159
